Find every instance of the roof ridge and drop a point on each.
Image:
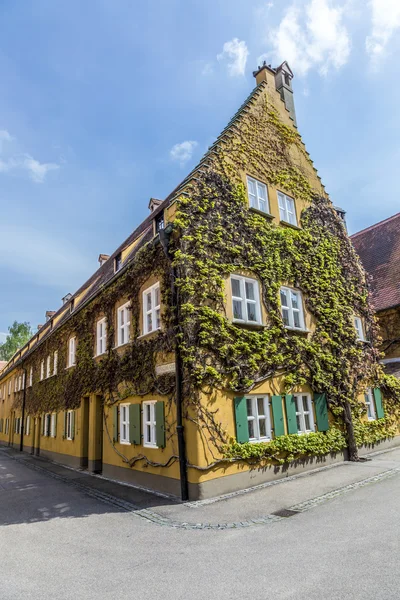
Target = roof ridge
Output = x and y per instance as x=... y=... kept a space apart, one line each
x=375 y=225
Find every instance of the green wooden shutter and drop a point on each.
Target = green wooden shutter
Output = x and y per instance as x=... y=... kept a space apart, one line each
x=115 y=424
x=321 y=412
x=72 y=425
x=291 y=420
x=378 y=403
x=135 y=423
x=277 y=415
x=160 y=424
x=242 y=428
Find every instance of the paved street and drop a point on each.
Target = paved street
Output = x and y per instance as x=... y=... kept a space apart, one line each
x=58 y=542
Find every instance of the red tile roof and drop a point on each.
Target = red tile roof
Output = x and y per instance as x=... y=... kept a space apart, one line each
x=379 y=249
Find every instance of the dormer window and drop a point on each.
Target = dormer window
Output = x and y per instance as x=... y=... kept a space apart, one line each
x=160 y=222
x=117 y=262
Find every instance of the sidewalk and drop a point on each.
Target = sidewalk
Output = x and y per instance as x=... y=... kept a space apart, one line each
x=263 y=504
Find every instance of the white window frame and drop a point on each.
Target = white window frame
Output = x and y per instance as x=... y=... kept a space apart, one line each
x=256 y=200
x=47 y=425
x=53 y=430
x=48 y=366
x=68 y=425
x=31 y=377
x=41 y=370
x=358 y=326
x=28 y=425
x=291 y=310
x=301 y=413
x=19 y=383
x=101 y=336
x=244 y=301
x=149 y=425
x=55 y=362
x=123 y=324
x=23 y=381
x=370 y=402
x=72 y=352
x=154 y=312
x=124 y=423
x=287 y=209
x=255 y=417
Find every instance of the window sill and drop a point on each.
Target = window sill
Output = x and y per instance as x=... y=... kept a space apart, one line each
x=249 y=325
x=266 y=215
x=149 y=446
x=120 y=346
x=125 y=443
x=287 y=224
x=296 y=330
x=70 y=367
x=146 y=334
x=260 y=441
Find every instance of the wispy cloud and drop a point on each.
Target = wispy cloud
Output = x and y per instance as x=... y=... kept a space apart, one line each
x=312 y=37
x=11 y=161
x=182 y=152
x=385 y=21
x=235 y=53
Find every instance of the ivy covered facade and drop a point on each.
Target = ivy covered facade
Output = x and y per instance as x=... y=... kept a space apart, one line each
x=228 y=341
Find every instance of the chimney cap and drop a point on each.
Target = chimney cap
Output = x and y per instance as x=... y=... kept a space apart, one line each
x=154 y=203
x=103 y=258
x=66 y=298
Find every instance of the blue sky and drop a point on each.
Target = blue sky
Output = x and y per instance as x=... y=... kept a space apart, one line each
x=109 y=102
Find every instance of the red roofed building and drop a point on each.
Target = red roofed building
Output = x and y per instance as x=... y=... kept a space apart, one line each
x=379 y=249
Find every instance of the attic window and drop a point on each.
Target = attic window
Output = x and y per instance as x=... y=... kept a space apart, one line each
x=160 y=222
x=117 y=262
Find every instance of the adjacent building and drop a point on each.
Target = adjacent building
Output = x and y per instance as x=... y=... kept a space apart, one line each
x=229 y=340
x=379 y=249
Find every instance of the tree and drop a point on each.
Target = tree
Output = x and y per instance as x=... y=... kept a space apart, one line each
x=18 y=335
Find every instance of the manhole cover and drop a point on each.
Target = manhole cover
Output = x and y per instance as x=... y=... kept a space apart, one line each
x=285 y=512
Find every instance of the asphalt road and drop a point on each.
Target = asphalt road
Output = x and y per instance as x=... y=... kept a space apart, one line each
x=58 y=543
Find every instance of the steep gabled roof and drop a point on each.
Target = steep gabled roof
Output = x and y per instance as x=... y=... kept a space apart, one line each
x=379 y=249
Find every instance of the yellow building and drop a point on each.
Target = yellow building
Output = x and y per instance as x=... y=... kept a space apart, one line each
x=227 y=341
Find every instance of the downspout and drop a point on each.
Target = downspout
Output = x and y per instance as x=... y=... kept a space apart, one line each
x=21 y=444
x=180 y=431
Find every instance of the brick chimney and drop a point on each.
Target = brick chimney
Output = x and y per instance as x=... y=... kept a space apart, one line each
x=281 y=78
x=103 y=258
x=49 y=314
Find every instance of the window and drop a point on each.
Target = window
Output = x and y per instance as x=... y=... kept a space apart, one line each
x=287 y=210
x=28 y=425
x=9 y=387
x=304 y=413
x=245 y=299
x=17 y=426
x=19 y=383
x=42 y=370
x=72 y=352
x=151 y=308
x=47 y=424
x=23 y=381
x=124 y=423
x=69 y=425
x=124 y=324
x=359 y=329
x=101 y=336
x=258 y=418
x=160 y=222
x=55 y=362
x=258 y=194
x=117 y=262
x=48 y=367
x=292 y=308
x=53 y=425
x=149 y=424
x=30 y=377
x=369 y=401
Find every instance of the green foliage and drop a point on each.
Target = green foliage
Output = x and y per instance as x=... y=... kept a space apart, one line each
x=18 y=335
x=286 y=448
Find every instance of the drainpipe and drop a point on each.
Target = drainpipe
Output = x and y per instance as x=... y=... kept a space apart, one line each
x=180 y=431
x=21 y=444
